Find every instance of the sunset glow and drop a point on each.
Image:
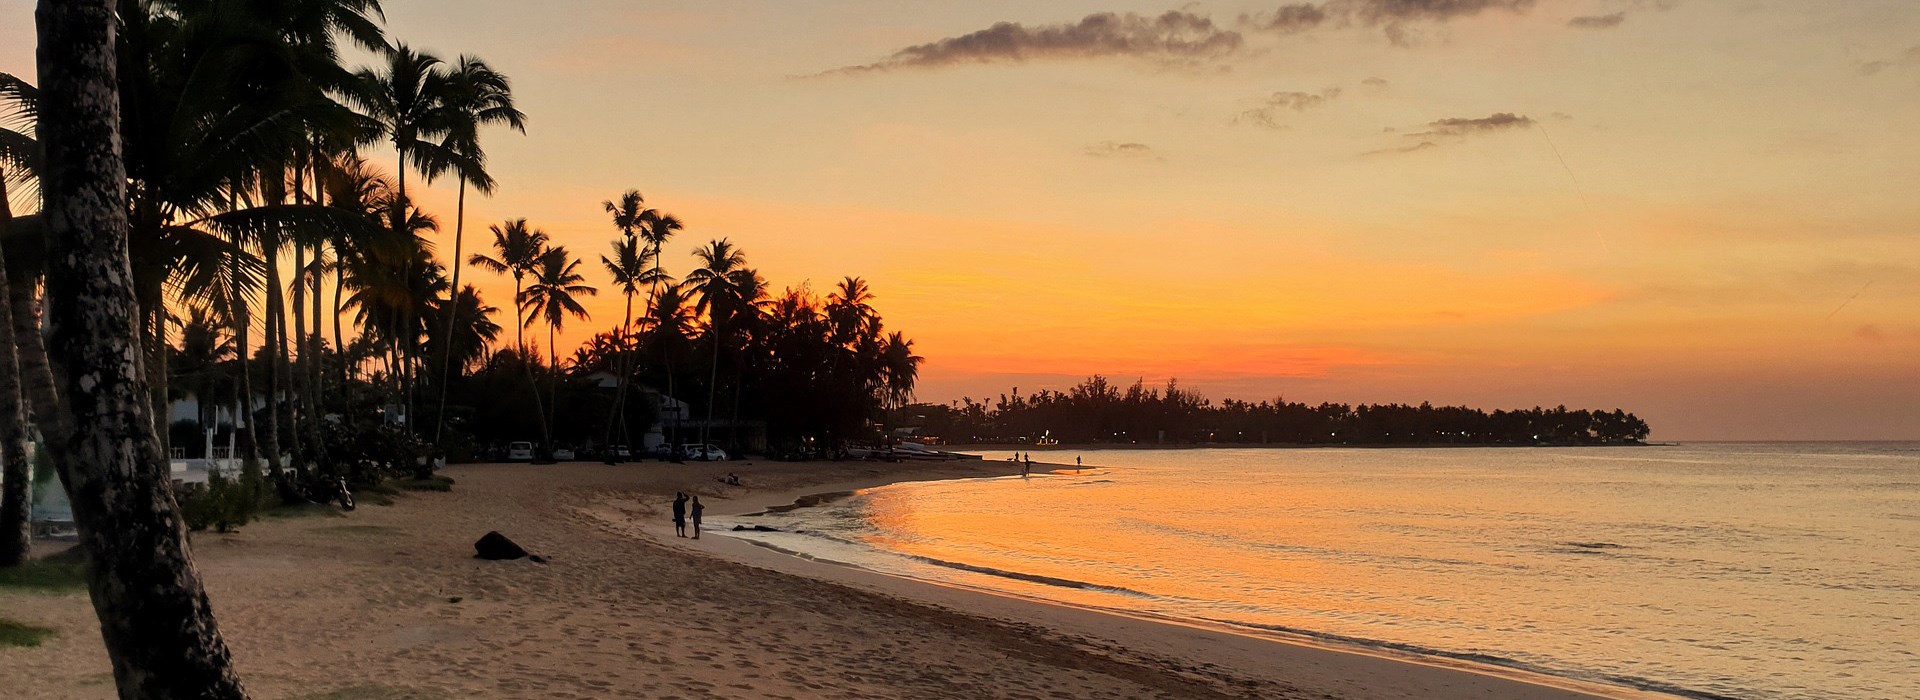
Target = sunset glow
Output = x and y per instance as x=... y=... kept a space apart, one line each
x=1702 y=212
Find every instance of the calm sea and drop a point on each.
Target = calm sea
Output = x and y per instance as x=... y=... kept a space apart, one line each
x=1773 y=570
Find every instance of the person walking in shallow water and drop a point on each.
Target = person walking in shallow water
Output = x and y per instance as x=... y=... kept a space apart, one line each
x=696 y=516
x=679 y=514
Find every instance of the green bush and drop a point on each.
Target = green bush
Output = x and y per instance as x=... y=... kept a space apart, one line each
x=223 y=504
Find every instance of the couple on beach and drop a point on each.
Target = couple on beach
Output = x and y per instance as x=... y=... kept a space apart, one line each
x=680 y=508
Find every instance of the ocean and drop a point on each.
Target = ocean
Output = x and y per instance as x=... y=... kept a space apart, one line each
x=1758 y=570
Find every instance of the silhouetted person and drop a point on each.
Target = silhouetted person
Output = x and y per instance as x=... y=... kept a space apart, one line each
x=1076 y=464
x=679 y=514
x=696 y=516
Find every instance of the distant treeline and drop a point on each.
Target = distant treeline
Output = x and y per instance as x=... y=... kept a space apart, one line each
x=1097 y=411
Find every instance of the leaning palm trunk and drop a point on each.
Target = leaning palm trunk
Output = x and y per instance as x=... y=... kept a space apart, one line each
x=16 y=469
x=155 y=620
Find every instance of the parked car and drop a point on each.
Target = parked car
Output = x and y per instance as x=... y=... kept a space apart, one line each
x=621 y=452
x=706 y=453
x=520 y=451
x=563 y=454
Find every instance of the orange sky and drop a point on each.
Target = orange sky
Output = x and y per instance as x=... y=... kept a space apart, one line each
x=1699 y=211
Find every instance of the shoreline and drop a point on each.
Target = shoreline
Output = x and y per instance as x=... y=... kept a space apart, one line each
x=1288 y=639
x=387 y=603
x=1021 y=447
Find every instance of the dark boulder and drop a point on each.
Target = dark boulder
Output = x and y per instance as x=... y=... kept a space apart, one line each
x=496 y=546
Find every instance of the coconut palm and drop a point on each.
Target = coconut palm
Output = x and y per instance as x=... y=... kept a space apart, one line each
x=473 y=329
x=517 y=251
x=476 y=96
x=407 y=97
x=556 y=281
x=19 y=172
x=630 y=269
x=157 y=628
x=850 y=310
x=715 y=281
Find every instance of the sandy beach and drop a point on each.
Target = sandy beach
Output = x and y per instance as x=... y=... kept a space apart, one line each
x=387 y=602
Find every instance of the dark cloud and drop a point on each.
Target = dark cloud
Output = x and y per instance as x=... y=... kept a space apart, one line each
x=1288 y=19
x=1387 y=11
x=1111 y=149
x=1173 y=37
x=1460 y=126
x=1374 y=83
x=1268 y=112
x=1598 y=21
x=1421 y=146
x=1910 y=57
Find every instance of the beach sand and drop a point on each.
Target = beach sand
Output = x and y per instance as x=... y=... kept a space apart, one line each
x=387 y=602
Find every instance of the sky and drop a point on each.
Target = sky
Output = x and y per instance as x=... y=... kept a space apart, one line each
x=1701 y=211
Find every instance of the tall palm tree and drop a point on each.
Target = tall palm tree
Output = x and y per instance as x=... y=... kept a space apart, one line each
x=473 y=329
x=629 y=268
x=714 y=280
x=517 y=251
x=556 y=281
x=156 y=625
x=476 y=96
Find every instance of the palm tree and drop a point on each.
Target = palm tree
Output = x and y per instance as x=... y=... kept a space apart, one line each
x=473 y=329
x=517 y=250
x=556 y=280
x=715 y=281
x=407 y=98
x=158 y=629
x=629 y=269
x=476 y=96
x=850 y=309
x=19 y=164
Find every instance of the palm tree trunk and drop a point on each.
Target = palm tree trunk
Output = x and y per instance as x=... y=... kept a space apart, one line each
x=155 y=619
x=237 y=312
x=453 y=303
x=625 y=367
x=713 y=379
x=36 y=377
x=553 y=387
x=16 y=466
x=296 y=377
x=339 y=285
x=269 y=251
x=540 y=412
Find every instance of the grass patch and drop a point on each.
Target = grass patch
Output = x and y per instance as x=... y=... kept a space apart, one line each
x=66 y=571
x=14 y=634
x=303 y=510
x=434 y=483
x=379 y=692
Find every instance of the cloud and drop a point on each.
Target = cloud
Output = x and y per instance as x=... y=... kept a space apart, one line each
x=1909 y=57
x=1598 y=21
x=1374 y=83
x=1423 y=145
x=1173 y=37
x=1459 y=126
x=1288 y=19
x=1388 y=11
x=1270 y=109
x=1111 y=149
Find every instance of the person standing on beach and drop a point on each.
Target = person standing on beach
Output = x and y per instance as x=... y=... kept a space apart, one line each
x=696 y=516
x=679 y=514
x=1076 y=464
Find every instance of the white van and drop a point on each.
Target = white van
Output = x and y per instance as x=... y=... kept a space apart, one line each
x=520 y=451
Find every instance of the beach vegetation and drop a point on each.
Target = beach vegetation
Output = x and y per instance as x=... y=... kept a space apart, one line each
x=18 y=634
x=1097 y=411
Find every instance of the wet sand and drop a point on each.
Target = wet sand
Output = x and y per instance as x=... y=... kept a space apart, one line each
x=387 y=602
